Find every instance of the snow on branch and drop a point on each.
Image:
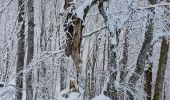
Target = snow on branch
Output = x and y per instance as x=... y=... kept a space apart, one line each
x=35 y=62
x=95 y=31
x=153 y=6
x=6 y=5
x=83 y=9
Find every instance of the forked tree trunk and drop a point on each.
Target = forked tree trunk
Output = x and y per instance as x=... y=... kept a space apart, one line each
x=73 y=27
x=73 y=30
x=158 y=90
x=21 y=50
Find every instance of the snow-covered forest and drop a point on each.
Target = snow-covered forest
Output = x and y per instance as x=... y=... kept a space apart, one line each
x=84 y=49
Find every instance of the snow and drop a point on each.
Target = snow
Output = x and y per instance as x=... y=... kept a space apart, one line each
x=74 y=96
x=71 y=96
x=6 y=93
x=160 y=34
x=101 y=97
x=62 y=8
x=80 y=10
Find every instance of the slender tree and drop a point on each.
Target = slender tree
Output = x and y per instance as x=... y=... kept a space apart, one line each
x=158 y=90
x=30 y=49
x=21 y=50
x=143 y=55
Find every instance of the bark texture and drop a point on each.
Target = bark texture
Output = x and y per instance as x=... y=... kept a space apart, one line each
x=158 y=90
x=30 y=49
x=73 y=27
x=21 y=51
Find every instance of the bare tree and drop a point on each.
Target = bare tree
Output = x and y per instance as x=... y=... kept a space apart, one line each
x=158 y=90
x=144 y=53
x=30 y=49
x=21 y=50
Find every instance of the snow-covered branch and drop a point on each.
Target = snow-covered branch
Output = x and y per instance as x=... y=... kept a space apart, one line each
x=95 y=31
x=153 y=6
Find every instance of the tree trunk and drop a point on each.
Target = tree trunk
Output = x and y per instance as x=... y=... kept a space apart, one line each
x=123 y=65
x=161 y=70
x=149 y=64
x=7 y=68
x=143 y=56
x=73 y=27
x=148 y=82
x=62 y=74
x=124 y=60
x=30 y=49
x=111 y=90
x=21 y=51
x=148 y=75
x=94 y=55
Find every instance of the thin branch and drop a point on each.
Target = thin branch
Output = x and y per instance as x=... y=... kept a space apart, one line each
x=3 y=8
x=153 y=6
x=95 y=31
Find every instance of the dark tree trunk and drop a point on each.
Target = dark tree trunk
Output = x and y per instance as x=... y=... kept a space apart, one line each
x=30 y=50
x=142 y=58
x=21 y=51
x=158 y=90
x=62 y=74
x=124 y=60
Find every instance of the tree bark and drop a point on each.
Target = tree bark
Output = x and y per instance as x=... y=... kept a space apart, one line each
x=111 y=90
x=148 y=82
x=158 y=95
x=73 y=30
x=21 y=51
x=124 y=60
x=123 y=65
x=148 y=74
x=30 y=49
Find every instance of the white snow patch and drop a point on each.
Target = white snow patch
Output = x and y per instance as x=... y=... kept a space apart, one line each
x=74 y=96
x=101 y=97
x=71 y=96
